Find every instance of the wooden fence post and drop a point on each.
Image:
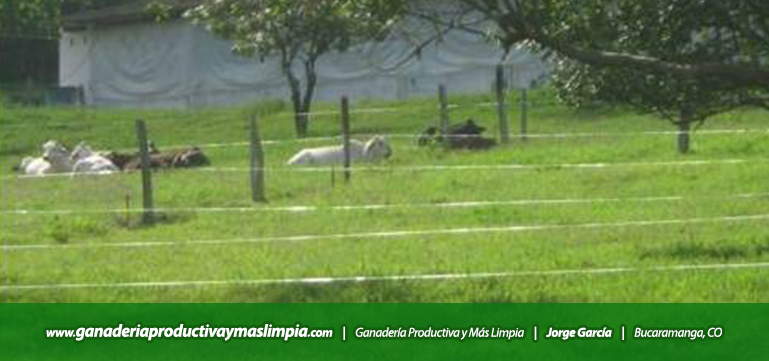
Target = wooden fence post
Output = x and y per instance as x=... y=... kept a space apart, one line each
x=346 y=137
x=504 y=125
x=257 y=164
x=148 y=216
x=524 y=114
x=443 y=98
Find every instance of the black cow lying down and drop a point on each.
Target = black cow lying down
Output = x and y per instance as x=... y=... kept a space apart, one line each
x=467 y=135
x=471 y=143
x=185 y=158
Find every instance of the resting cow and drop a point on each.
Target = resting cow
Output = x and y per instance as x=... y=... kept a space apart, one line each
x=374 y=150
x=185 y=158
x=58 y=156
x=466 y=135
x=471 y=143
x=85 y=160
x=190 y=158
x=55 y=159
x=33 y=166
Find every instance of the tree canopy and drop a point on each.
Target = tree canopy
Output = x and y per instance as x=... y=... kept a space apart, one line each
x=685 y=60
x=298 y=32
x=42 y=18
x=722 y=44
x=35 y=18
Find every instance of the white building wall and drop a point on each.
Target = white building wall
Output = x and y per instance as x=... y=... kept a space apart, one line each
x=177 y=65
x=74 y=60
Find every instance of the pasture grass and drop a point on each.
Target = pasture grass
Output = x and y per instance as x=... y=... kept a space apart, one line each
x=91 y=247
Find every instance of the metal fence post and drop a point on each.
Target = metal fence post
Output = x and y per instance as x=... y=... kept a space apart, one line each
x=524 y=114
x=346 y=137
x=504 y=126
x=148 y=216
x=443 y=98
x=257 y=164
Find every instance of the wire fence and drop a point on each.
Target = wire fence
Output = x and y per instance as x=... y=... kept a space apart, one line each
x=435 y=277
x=395 y=234
x=418 y=110
x=425 y=168
x=334 y=114
x=409 y=136
x=299 y=209
x=435 y=111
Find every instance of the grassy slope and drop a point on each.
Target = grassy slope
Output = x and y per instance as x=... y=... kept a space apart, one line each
x=706 y=188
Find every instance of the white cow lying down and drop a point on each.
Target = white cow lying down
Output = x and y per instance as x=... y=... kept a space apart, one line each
x=34 y=166
x=57 y=159
x=81 y=160
x=85 y=160
x=37 y=166
x=374 y=150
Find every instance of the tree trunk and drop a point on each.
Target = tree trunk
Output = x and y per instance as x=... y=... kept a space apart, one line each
x=302 y=102
x=684 y=132
x=309 y=91
x=300 y=114
x=301 y=123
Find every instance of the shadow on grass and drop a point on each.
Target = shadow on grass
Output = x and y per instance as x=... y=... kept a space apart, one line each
x=724 y=252
x=62 y=230
x=488 y=291
x=134 y=220
x=371 y=292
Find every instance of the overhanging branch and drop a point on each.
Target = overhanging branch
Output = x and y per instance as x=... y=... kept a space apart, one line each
x=516 y=27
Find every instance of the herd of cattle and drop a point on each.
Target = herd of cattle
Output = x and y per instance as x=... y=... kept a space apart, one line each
x=82 y=159
x=58 y=159
x=465 y=136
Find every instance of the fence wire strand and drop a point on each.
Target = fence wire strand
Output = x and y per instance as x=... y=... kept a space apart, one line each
x=435 y=277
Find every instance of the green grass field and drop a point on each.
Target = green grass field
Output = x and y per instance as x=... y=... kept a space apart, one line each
x=664 y=224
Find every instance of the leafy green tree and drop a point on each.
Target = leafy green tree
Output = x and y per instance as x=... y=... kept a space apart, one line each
x=299 y=33
x=39 y=18
x=683 y=102
x=721 y=43
x=35 y=18
x=28 y=33
x=683 y=59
